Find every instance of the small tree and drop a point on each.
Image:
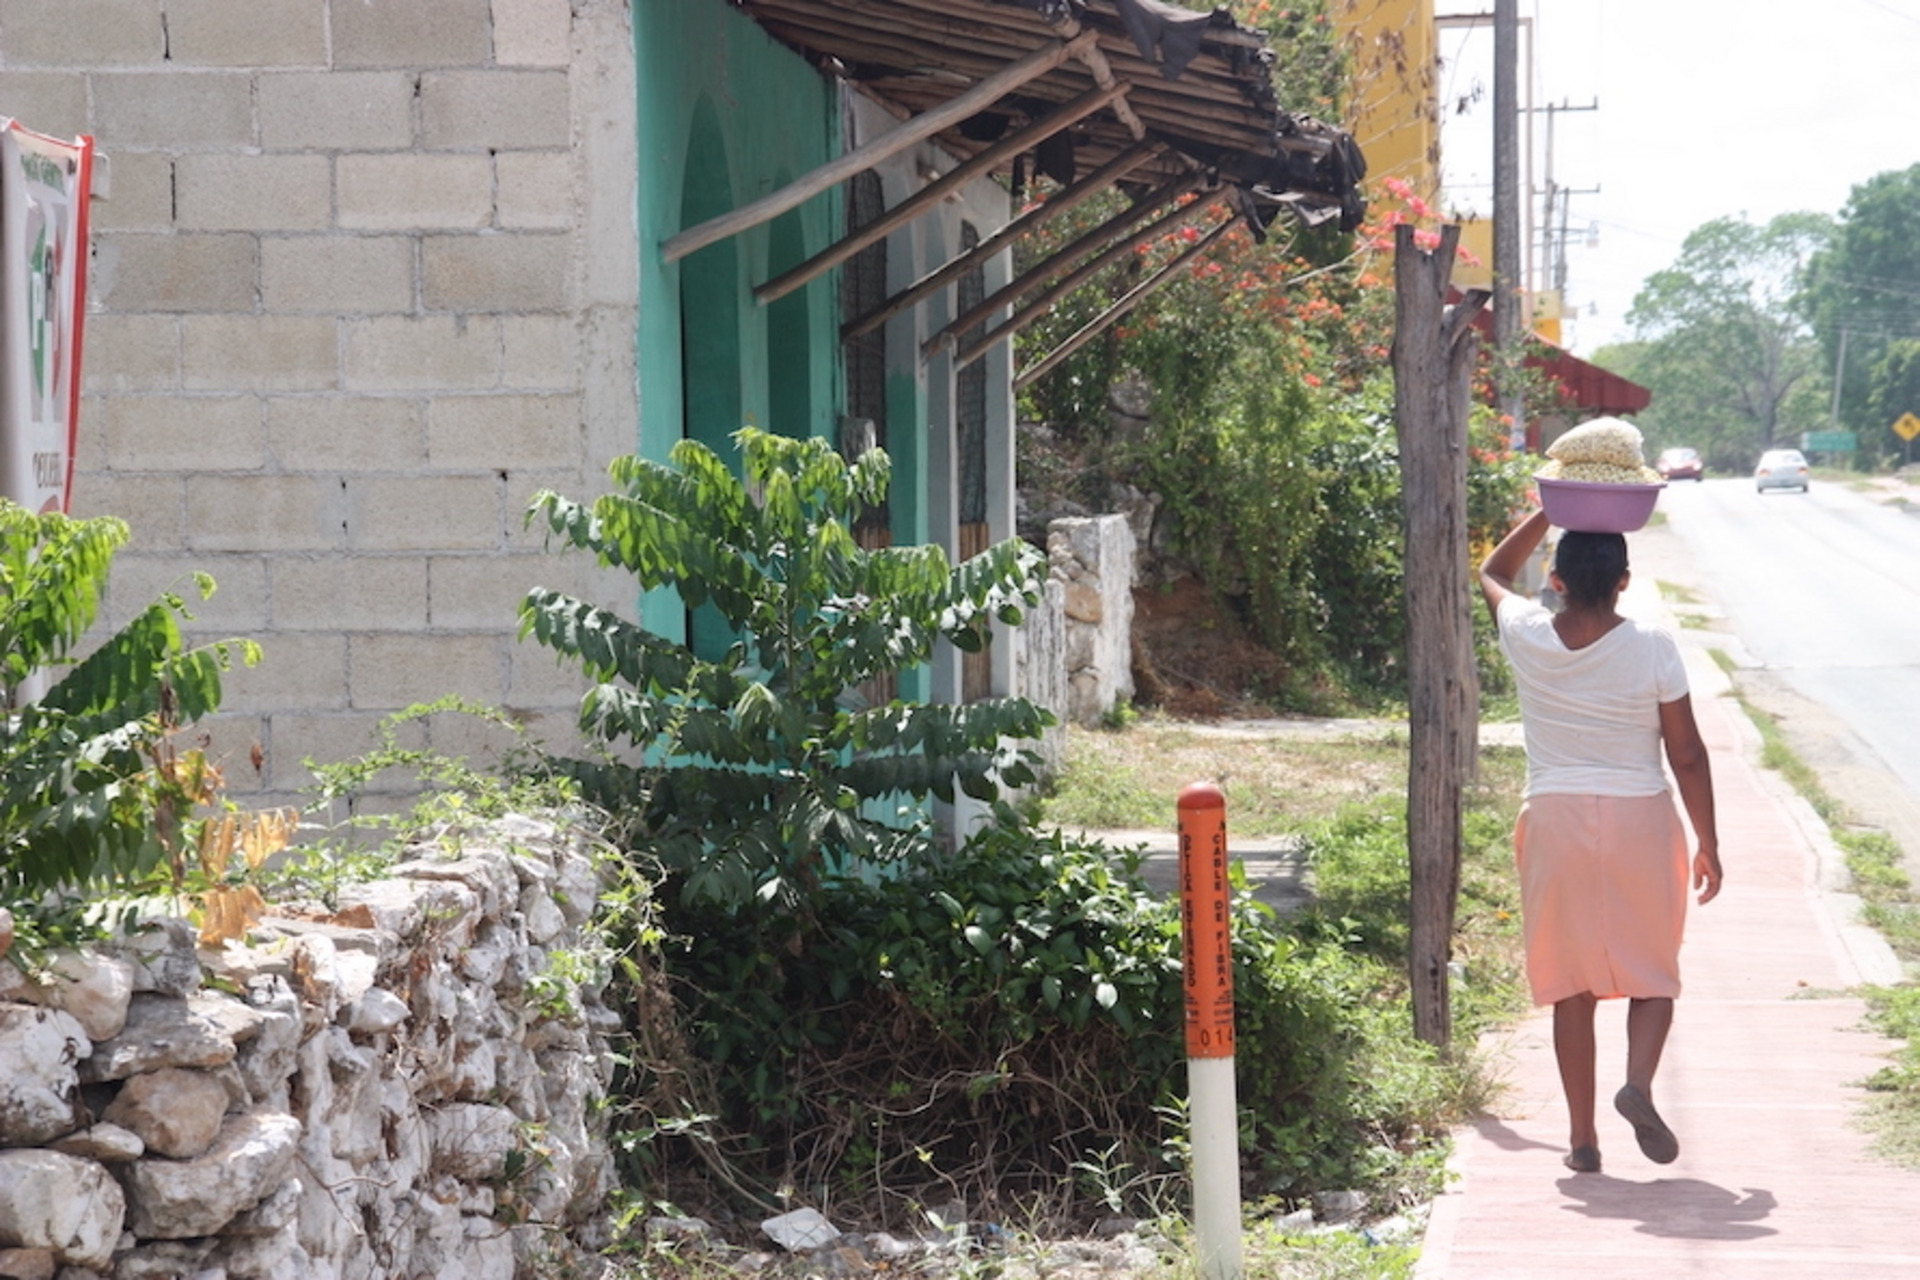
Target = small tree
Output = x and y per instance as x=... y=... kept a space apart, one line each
x=752 y=771
x=84 y=800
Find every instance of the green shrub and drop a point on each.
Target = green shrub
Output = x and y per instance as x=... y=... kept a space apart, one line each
x=761 y=767
x=981 y=1024
x=88 y=797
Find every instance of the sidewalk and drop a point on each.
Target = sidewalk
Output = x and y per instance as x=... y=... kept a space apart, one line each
x=1760 y=1081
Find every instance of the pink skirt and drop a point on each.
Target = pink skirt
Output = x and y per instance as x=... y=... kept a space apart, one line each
x=1603 y=895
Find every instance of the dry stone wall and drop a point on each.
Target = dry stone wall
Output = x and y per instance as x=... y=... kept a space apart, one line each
x=404 y=1087
x=1093 y=558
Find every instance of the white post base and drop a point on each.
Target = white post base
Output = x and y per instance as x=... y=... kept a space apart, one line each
x=1213 y=1114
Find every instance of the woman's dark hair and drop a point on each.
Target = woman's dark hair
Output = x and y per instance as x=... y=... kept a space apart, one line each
x=1590 y=565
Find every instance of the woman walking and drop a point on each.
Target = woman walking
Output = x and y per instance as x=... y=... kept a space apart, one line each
x=1601 y=851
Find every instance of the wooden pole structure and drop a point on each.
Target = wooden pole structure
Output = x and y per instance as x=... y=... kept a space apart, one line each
x=1133 y=298
x=1088 y=242
x=1071 y=198
x=860 y=159
x=1506 y=219
x=1433 y=354
x=934 y=192
x=1074 y=279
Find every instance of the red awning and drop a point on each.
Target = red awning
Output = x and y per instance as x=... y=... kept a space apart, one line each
x=1588 y=387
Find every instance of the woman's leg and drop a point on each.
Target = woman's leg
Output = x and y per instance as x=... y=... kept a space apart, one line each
x=1573 y=1048
x=1648 y=1021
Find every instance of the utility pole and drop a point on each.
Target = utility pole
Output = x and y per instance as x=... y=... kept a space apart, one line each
x=1839 y=372
x=1553 y=209
x=1506 y=217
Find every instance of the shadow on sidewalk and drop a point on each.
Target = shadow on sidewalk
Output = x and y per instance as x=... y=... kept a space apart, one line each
x=1684 y=1207
x=1500 y=1135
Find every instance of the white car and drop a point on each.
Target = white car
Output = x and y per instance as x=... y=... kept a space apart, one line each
x=1781 y=469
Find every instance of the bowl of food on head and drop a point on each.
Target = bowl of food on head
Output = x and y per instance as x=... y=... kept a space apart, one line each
x=1596 y=479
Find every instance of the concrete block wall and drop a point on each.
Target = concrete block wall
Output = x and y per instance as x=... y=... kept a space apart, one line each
x=364 y=282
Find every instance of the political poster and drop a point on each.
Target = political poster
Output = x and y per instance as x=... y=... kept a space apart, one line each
x=44 y=189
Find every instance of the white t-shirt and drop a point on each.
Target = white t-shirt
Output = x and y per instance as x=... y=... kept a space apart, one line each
x=1591 y=716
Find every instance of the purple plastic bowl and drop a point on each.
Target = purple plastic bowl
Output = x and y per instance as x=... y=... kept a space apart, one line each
x=1586 y=507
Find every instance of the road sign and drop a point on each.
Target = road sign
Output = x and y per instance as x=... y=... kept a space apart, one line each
x=1828 y=441
x=1908 y=427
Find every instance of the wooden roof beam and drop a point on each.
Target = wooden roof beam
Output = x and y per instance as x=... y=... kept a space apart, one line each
x=860 y=159
x=1079 y=249
x=933 y=193
x=1131 y=299
x=1073 y=280
x=1103 y=73
x=1062 y=202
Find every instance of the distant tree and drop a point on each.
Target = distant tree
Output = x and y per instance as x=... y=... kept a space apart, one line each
x=1893 y=390
x=1721 y=342
x=1864 y=299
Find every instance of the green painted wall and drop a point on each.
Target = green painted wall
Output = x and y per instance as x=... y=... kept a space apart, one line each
x=727 y=115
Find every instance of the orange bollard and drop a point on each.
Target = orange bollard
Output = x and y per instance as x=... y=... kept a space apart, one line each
x=1207 y=969
x=1204 y=932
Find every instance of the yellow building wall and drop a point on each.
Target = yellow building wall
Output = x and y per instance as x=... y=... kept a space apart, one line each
x=1476 y=239
x=1394 y=112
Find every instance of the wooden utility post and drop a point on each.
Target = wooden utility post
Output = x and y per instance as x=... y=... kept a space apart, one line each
x=1433 y=356
x=1506 y=218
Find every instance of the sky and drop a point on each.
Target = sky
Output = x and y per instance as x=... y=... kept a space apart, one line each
x=1705 y=109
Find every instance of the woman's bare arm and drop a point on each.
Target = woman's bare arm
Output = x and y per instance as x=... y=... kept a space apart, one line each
x=1687 y=755
x=1502 y=567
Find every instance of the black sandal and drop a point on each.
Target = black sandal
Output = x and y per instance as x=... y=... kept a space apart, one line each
x=1583 y=1160
x=1656 y=1141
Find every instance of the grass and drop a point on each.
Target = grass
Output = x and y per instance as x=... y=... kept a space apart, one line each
x=1776 y=755
x=1271 y=1251
x=1679 y=597
x=1343 y=793
x=1130 y=779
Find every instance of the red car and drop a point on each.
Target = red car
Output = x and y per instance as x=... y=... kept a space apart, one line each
x=1681 y=464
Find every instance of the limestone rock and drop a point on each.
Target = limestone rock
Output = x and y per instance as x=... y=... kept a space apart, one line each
x=94 y=988
x=577 y=892
x=377 y=1012
x=176 y=1112
x=800 y=1230
x=53 y=1201
x=40 y=1050
x=272 y=1215
x=544 y=921
x=471 y=1140
x=107 y=1143
x=485 y=962
x=486 y=873
x=28 y=1264
x=266 y=1061
x=240 y=1020
x=165 y=1260
x=164 y=957
x=161 y=1031
x=183 y=1199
